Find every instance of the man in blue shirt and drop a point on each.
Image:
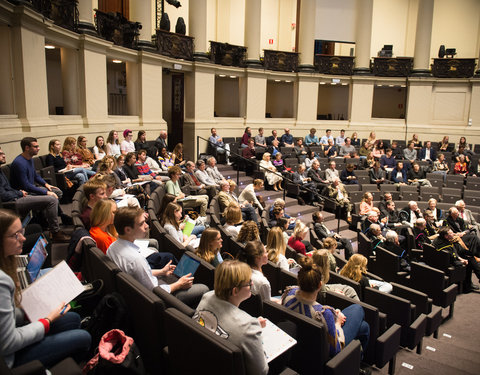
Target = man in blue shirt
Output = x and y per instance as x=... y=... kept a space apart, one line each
x=340 y=140
x=24 y=202
x=328 y=135
x=311 y=139
x=287 y=139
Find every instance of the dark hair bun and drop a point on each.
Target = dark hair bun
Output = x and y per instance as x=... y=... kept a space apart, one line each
x=306 y=263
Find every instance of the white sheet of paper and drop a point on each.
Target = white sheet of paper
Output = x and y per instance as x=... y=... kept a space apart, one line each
x=49 y=291
x=275 y=341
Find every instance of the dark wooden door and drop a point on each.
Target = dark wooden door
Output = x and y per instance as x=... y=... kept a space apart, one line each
x=175 y=128
x=120 y=6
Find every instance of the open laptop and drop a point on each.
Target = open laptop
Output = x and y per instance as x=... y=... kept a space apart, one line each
x=186 y=265
x=37 y=257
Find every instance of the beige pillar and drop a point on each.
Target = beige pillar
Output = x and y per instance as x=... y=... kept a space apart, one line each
x=253 y=17
x=477 y=73
x=307 y=99
x=70 y=80
x=140 y=11
x=86 y=21
x=363 y=35
x=197 y=25
x=306 y=43
x=423 y=38
x=256 y=97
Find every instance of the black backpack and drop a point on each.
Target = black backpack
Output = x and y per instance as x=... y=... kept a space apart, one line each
x=110 y=313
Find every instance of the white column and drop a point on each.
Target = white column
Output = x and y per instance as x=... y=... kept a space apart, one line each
x=306 y=43
x=197 y=22
x=70 y=80
x=140 y=11
x=477 y=73
x=363 y=35
x=86 y=21
x=253 y=18
x=423 y=38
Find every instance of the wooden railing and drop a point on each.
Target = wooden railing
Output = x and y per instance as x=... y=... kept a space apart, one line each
x=280 y=60
x=453 y=68
x=392 y=66
x=227 y=54
x=115 y=28
x=338 y=65
x=174 y=45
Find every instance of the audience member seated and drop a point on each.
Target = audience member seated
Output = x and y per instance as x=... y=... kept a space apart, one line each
x=311 y=139
x=233 y=285
x=462 y=143
x=87 y=155
x=274 y=148
x=248 y=232
x=410 y=153
x=372 y=218
x=387 y=161
x=348 y=175
x=337 y=191
x=94 y=190
x=144 y=169
x=428 y=153
x=256 y=256
x=191 y=201
x=330 y=244
x=342 y=326
x=460 y=255
x=276 y=247
x=217 y=142
x=397 y=152
x=127 y=144
x=260 y=139
x=328 y=136
x=191 y=180
x=177 y=155
x=161 y=141
x=322 y=260
x=399 y=174
x=390 y=216
x=441 y=167
x=444 y=145
x=347 y=148
x=323 y=232
x=356 y=269
x=377 y=175
x=165 y=159
x=272 y=138
x=392 y=244
x=131 y=225
x=248 y=196
x=74 y=161
x=300 y=150
x=474 y=169
x=382 y=206
x=172 y=222
x=461 y=166
x=280 y=203
x=413 y=212
x=113 y=145
x=314 y=174
x=467 y=216
x=421 y=235
x=308 y=189
x=141 y=142
x=340 y=140
x=367 y=204
x=279 y=164
x=369 y=161
x=210 y=247
x=213 y=171
x=100 y=148
x=297 y=240
x=55 y=159
x=374 y=234
x=287 y=139
x=378 y=149
x=355 y=140
x=331 y=172
x=245 y=137
x=233 y=218
x=372 y=137
x=249 y=154
x=417 y=176
x=330 y=150
x=469 y=237
x=50 y=339
x=432 y=226
x=47 y=205
x=309 y=159
x=102 y=229
x=225 y=197
x=132 y=173
x=273 y=177
x=204 y=177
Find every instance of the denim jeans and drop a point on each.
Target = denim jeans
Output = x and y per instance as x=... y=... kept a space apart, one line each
x=355 y=327
x=198 y=230
x=64 y=339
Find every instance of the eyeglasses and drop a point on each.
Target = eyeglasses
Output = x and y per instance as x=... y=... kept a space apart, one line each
x=250 y=284
x=17 y=234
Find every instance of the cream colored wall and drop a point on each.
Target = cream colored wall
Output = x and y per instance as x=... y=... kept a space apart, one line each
x=335 y=20
x=270 y=25
x=455 y=25
x=6 y=95
x=287 y=18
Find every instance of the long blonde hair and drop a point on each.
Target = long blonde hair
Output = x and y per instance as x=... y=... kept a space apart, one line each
x=355 y=267
x=205 y=250
x=320 y=258
x=100 y=215
x=275 y=244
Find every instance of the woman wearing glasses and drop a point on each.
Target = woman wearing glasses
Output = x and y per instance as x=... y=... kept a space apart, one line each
x=48 y=340
x=218 y=311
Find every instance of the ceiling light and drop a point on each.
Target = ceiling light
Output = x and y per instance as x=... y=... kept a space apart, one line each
x=116 y=61
x=322 y=83
x=277 y=80
x=233 y=76
x=222 y=75
x=49 y=46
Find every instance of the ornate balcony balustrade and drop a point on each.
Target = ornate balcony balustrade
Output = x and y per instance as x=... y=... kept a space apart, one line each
x=453 y=68
x=392 y=67
x=227 y=54
x=115 y=28
x=280 y=60
x=174 y=45
x=338 y=65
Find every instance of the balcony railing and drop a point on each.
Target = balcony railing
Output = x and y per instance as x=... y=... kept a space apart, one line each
x=453 y=68
x=280 y=60
x=227 y=54
x=174 y=45
x=392 y=66
x=115 y=28
x=338 y=65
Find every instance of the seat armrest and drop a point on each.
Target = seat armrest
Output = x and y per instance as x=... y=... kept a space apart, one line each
x=449 y=295
x=345 y=362
x=416 y=331
x=387 y=345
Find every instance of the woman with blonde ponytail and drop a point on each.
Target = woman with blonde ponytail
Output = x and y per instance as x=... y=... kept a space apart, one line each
x=356 y=269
